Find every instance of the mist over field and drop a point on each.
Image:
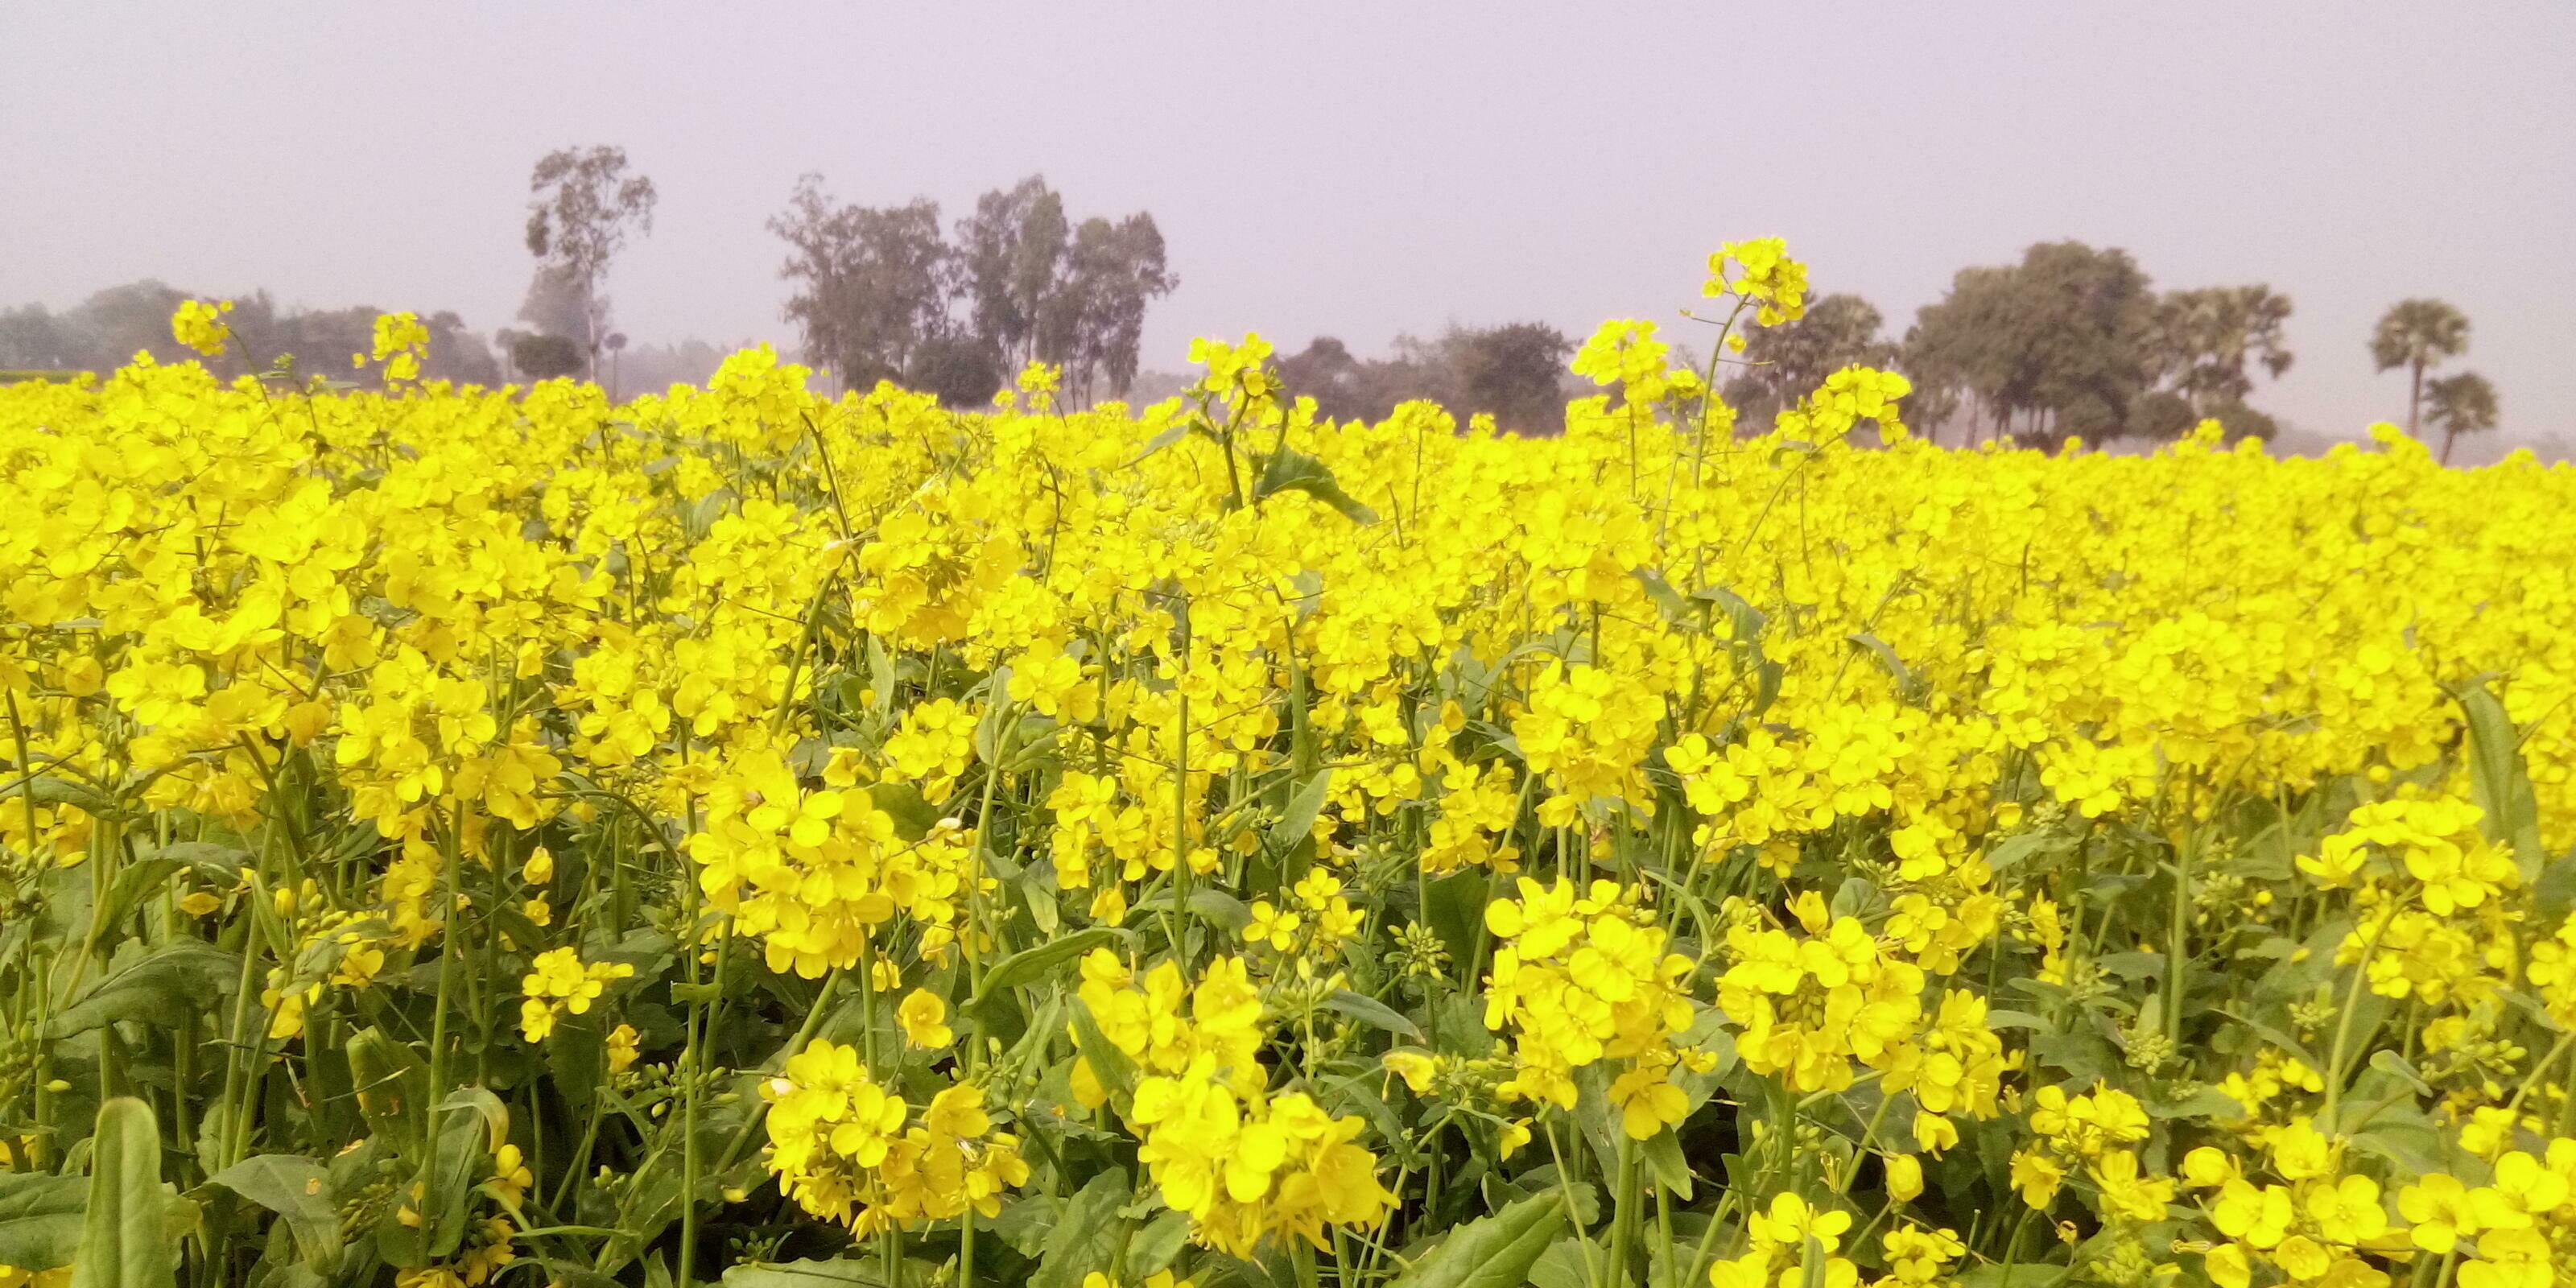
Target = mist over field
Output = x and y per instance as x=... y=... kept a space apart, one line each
x=1362 y=174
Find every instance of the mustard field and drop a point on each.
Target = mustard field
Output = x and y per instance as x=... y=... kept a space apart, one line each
x=454 y=837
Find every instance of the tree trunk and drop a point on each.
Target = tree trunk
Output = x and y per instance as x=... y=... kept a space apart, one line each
x=2415 y=400
x=590 y=325
x=2449 y=436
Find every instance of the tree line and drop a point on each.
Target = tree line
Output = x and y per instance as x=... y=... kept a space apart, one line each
x=2072 y=340
x=883 y=293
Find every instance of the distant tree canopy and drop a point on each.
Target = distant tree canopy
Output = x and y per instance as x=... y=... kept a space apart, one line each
x=106 y=330
x=2074 y=340
x=2417 y=336
x=1515 y=373
x=1783 y=363
x=2460 y=404
x=560 y=305
x=881 y=294
x=582 y=203
x=545 y=357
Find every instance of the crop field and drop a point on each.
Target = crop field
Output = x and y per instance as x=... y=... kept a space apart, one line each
x=454 y=837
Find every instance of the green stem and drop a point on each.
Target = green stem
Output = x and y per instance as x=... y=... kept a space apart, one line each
x=2343 y=1024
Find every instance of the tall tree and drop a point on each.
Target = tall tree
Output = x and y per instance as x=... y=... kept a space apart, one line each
x=1514 y=373
x=2050 y=347
x=557 y=304
x=1326 y=371
x=1092 y=318
x=869 y=282
x=1783 y=363
x=2418 y=335
x=1008 y=255
x=1966 y=342
x=2460 y=404
x=2205 y=339
x=582 y=204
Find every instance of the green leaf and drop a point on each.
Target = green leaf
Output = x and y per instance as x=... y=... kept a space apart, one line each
x=913 y=817
x=2555 y=891
x=1160 y=441
x=392 y=1087
x=296 y=1189
x=1744 y=620
x=1089 y=1236
x=40 y=1219
x=1369 y=1010
x=139 y=878
x=1492 y=1252
x=2021 y=1275
x=1812 y=1262
x=167 y=985
x=1221 y=910
x=1290 y=470
x=2500 y=781
x=206 y=856
x=125 y=1241
x=1155 y=1246
x=577 y=1056
x=459 y=1158
x=1109 y=1064
x=2403 y=1136
x=62 y=791
x=1907 y=686
x=488 y=1107
x=807 y=1274
x=1664 y=1158
x=1675 y=608
x=1025 y=1224
x=1033 y=964
x=2396 y=1066
x=1766 y=685
x=1561 y=1266
x=2208 y=1102
x=1297 y=821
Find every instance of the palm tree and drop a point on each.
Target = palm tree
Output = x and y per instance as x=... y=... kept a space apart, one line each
x=2417 y=334
x=2461 y=404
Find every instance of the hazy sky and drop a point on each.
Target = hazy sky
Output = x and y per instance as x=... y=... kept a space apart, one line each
x=1358 y=170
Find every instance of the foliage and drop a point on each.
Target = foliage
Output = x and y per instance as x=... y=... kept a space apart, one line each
x=1514 y=373
x=2204 y=339
x=582 y=203
x=869 y=290
x=881 y=296
x=2072 y=342
x=545 y=357
x=2460 y=404
x=1784 y=362
x=451 y=837
x=109 y=328
x=2416 y=336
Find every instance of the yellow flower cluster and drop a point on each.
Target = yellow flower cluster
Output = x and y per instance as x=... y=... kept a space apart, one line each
x=200 y=326
x=1763 y=275
x=1241 y=1162
x=810 y=872
x=1582 y=977
x=1811 y=1005
x=849 y=1149
x=560 y=983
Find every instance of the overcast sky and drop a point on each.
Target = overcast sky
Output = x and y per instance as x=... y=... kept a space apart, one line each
x=1358 y=170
